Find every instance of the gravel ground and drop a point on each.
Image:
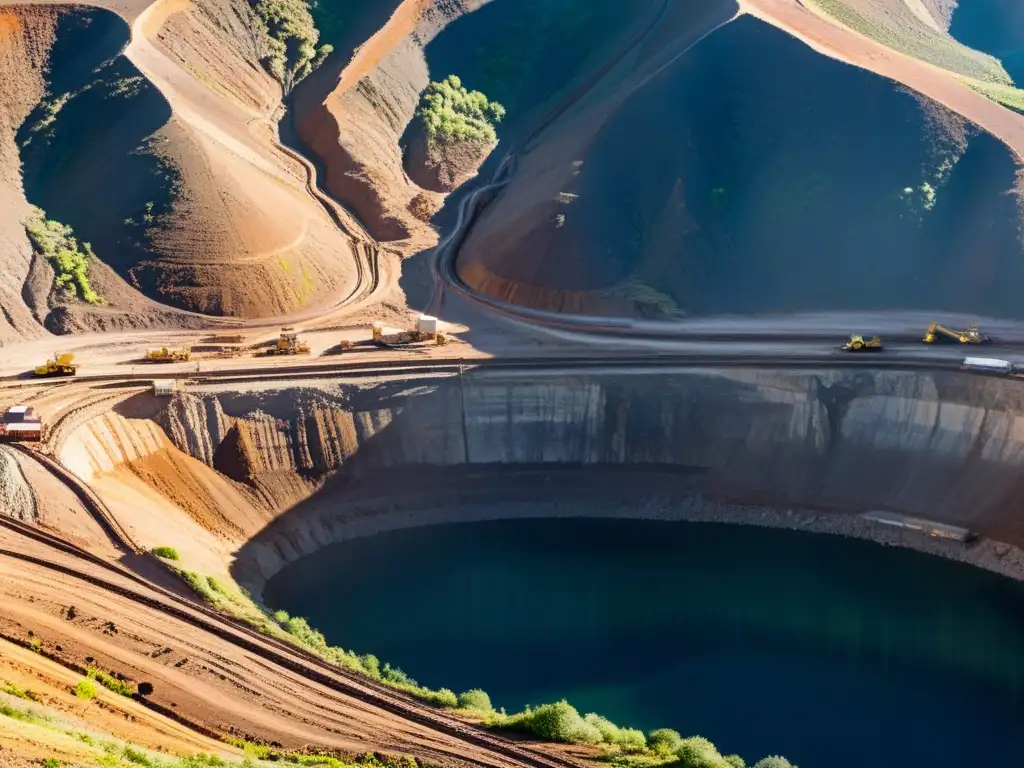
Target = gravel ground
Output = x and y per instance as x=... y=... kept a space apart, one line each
x=16 y=497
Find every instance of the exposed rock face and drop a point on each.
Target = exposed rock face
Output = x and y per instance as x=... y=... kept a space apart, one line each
x=26 y=38
x=946 y=447
x=442 y=166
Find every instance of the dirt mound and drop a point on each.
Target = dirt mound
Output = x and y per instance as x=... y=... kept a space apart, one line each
x=442 y=166
x=725 y=207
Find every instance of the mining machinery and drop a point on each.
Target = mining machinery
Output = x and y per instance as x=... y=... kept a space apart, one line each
x=60 y=365
x=858 y=343
x=166 y=355
x=972 y=335
x=288 y=344
x=426 y=330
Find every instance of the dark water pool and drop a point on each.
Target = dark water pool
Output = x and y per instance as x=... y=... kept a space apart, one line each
x=834 y=652
x=995 y=27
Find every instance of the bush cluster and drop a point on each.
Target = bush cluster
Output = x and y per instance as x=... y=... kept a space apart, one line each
x=451 y=113
x=167 y=553
x=110 y=682
x=291 y=37
x=57 y=243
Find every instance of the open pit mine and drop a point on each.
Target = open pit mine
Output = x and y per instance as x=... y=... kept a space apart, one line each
x=479 y=384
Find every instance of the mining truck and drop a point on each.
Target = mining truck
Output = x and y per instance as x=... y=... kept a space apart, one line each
x=288 y=344
x=858 y=343
x=426 y=330
x=165 y=355
x=60 y=365
x=972 y=335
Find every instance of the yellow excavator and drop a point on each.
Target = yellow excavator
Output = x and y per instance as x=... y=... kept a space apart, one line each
x=60 y=365
x=288 y=344
x=972 y=335
x=858 y=343
x=165 y=355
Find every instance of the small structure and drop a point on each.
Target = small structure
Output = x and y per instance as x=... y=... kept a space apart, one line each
x=165 y=387
x=20 y=423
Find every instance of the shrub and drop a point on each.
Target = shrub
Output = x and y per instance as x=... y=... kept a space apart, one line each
x=555 y=722
x=371 y=664
x=110 y=682
x=698 y=752
x=167 y=553
x=136 y=757
x=735 y=761
x=57 y=244
x=13 y=690
x=85 y=690
x=773 y=761
x=477 y=701
x=51 y=762
x=216 y=586
x=451 y=113
x=664 y=741
x=442 y=698
x=291 y=36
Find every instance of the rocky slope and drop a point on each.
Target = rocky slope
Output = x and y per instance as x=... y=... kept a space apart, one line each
x=177 y=127
x=353 y=118
x=26 y=37
x=691 y=189
x=274 y=474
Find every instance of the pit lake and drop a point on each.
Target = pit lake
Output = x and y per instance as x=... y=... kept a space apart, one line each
x=831 y=651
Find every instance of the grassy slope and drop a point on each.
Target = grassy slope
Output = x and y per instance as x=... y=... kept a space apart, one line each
x=892 y=24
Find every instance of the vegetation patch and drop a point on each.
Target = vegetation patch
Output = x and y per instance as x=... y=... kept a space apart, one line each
x=560 y=721
x=451 y=113
x=1007 y=95
x=85 y=690
x=70 y=262
x=20 y=693
x=291 y=38
x=110 y=682
x=167 y=553
x=900 y=30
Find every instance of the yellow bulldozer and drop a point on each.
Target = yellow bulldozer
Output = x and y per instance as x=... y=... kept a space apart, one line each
x=288 y=344
x=858 y=343
x=60 y=365
x=165 y=355
x=972 y=335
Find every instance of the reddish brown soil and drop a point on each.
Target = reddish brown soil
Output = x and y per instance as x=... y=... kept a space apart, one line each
x=353 y=121
x=195 y=668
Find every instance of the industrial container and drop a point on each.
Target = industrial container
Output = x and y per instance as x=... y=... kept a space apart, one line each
x=164 y=387
x=987 y=365
x=22 y=432
x=427 y=324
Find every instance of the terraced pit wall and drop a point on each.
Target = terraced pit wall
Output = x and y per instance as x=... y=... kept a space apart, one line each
x=283 y=472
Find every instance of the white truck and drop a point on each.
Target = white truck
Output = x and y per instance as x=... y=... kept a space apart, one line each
x=987 y=365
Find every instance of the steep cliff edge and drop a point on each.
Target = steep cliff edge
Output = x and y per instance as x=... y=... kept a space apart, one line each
x=353 y=119
x=268 y=476
x=26 y=37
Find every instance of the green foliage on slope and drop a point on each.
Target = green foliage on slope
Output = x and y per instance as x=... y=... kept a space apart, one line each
x=291 y=37
x=899 y=29
x=451 y=113
x=70 y=262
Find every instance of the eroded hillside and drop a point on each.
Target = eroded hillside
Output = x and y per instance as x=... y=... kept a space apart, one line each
x=157 y=145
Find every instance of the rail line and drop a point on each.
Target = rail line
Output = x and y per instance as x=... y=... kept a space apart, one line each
x=277 y=651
